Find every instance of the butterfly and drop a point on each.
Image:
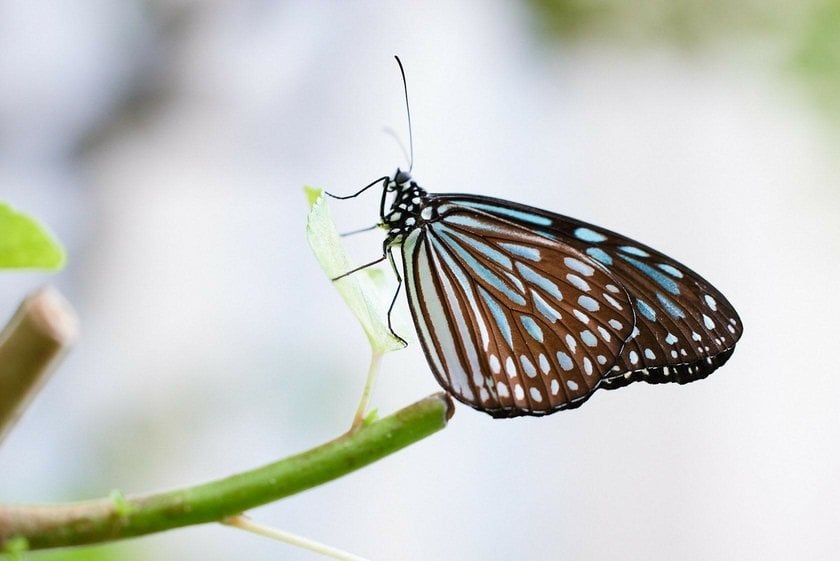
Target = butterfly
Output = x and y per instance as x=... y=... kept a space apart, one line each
x=521 y=311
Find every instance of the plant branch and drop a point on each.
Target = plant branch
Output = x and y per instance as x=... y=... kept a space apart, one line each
x=41 y=331
x=45 y=526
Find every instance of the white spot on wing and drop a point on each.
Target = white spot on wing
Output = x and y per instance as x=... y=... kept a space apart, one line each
x=495 y=365
x=579 y=266
x=510 y=367
x=578 y=282
x=711 y=302
x=605 y=335
x=545 y=366
x=613 y=302
x=565 y=361
x=528 y=366
x=589 y=303
x=588 y=338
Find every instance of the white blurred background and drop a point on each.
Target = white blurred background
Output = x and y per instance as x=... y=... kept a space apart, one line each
x=166 y=143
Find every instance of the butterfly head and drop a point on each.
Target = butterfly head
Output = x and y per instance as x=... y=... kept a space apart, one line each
x=400 y=178
x=409 y=207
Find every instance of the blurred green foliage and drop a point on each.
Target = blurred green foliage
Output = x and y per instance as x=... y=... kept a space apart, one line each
x=25 y=244
x=799 y=39
x=817 y=57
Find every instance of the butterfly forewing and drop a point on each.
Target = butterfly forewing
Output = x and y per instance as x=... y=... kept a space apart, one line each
x=512 y=322
x=684 y=327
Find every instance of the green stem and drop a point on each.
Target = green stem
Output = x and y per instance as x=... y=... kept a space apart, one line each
x=45 y=526
x=367 y=391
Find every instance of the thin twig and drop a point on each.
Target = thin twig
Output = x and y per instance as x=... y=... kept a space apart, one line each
x=45 y=526
x=244 y=523
x=35 y=339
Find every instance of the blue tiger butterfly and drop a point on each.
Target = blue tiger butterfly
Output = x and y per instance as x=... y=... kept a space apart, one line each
x=521 y=311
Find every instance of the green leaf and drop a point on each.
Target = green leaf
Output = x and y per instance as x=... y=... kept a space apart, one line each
x=26 y=244
x=360 y=291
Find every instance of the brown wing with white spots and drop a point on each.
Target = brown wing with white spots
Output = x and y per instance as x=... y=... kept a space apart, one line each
x=512 y=322
x=685 y=328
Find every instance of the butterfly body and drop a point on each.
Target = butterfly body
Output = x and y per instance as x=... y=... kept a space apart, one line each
x=521 y=311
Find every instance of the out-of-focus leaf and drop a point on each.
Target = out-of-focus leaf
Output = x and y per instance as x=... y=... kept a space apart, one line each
x=26 y=244
x=359 y=290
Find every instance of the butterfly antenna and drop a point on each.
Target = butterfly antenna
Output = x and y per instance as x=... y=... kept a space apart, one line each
x=408 y=112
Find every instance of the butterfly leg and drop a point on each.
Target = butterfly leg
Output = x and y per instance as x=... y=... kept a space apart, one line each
x=389 y=252
x=359 y=268
x=360 y=230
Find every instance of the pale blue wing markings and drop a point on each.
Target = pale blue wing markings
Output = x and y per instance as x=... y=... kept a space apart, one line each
x=535 y=219
x=578 y=282
x=464 y=333
x=428 y=303
x=524 y=251
x=565 y=361
x=539 y=280
x=645 y=309
x=467 y=218
x=662 y=280
x=515 y=280
x=588 y=338
x=532 y=328
x=633 y=250
x=498 y=314
x=483 y=272
x=542 y=381
x=600 y=255
x=544 y=308
x=469 y=294
x=588 y=235
x=414 y=248
x=453 y=236
x=671 y=270
x=490 y=252
x=670 y=306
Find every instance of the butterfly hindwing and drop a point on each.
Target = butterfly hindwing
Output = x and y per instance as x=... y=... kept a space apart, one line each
x=512 y=322
x=685 y=328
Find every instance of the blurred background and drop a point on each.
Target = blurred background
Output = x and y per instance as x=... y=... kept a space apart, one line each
x=166 y=142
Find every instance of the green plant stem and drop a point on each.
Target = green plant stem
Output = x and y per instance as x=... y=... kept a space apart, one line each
x=367 y=391
x=35 y=339
x=45 y=526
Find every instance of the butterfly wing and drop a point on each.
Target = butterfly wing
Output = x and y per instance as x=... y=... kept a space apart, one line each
x=512 y=322
x=685 y=328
